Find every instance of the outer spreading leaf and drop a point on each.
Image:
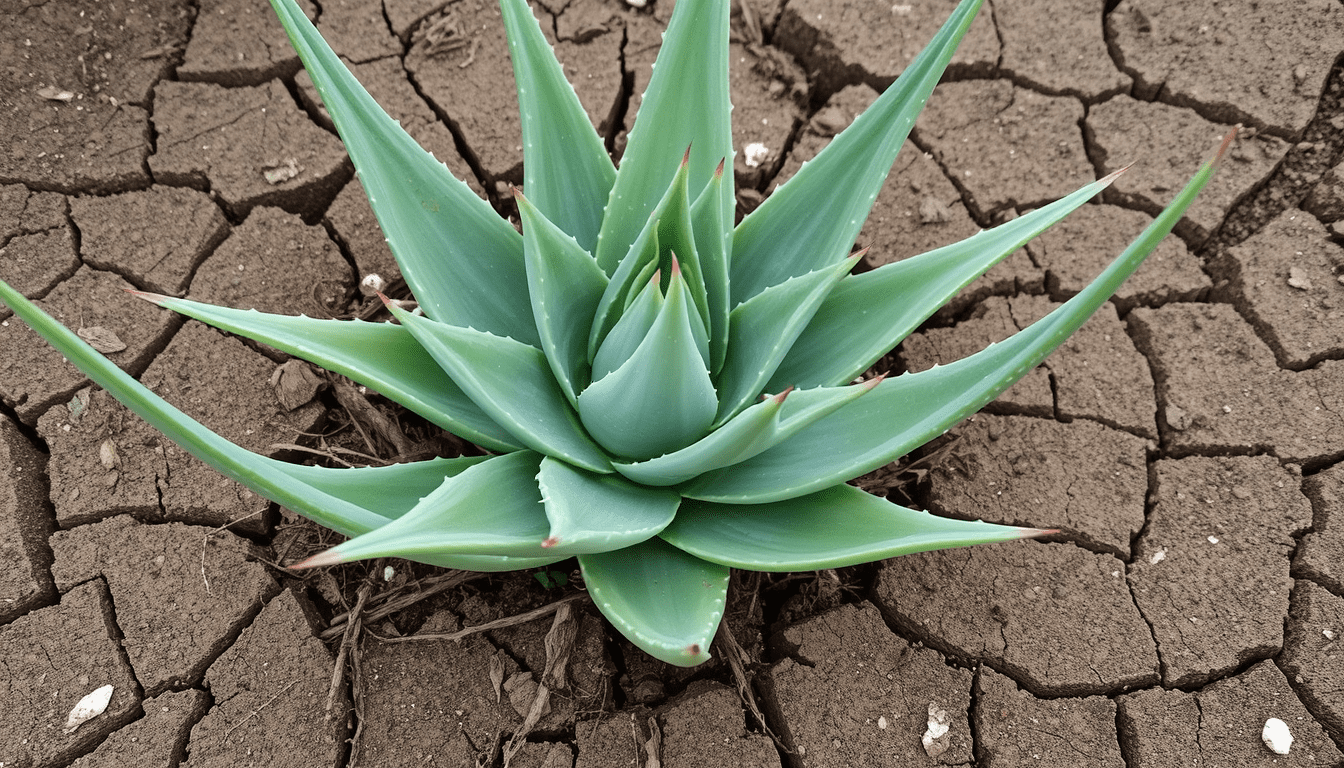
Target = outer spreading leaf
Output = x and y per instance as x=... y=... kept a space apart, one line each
x=762 y=329
x=867 y=315
x=838 y=526
x=464 y=262
x=662 y=599
x=598 y=513
x=565 y=284
x=491 y=509
x=566 y=171
x=381 y=356
x=911 y=409
x=812 y=220
x=273 y=479
x=671 y=114
x=661 y=399
x=511 y=382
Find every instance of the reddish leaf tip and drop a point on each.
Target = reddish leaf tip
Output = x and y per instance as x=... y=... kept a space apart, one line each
x=1035 y=533
x=779 y=399
x=718 y=172
x=550 y=541
x=1226 y=145
x=1110 y=179
x=873 y=382
x=686 y=158
x=152 y=298
x=329 y=557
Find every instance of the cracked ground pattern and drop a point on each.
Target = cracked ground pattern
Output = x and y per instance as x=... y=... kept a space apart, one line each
x=1188 y=443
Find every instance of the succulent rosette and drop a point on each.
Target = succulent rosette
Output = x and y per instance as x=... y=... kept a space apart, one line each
x=665 y=395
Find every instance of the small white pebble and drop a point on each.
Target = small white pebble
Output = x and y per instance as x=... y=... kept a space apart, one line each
x=1277 y=736
x=1329 y=634
x=1213 y=539
x=882 y=723
x=388 y=573
x=1158 y=556
x=755 y=153
x=88 y=708
x=371 y=284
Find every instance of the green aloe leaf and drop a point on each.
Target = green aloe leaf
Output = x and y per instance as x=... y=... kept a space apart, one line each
x=712 y=222
x=598 y=513
x=492 y=508
x=463 y=262
x=566 y=171
x=662 y=599
x=381 y=356
x=513 y=383
x=752 y=431
x=694 y=50
x=661 y=399
x=867 y=315
x=909 y=410
x=832 y=528
x=811 y=221
x=762 y=329
x=651 y=251
x=565 y=284
x=630 y=330
x=273 y=479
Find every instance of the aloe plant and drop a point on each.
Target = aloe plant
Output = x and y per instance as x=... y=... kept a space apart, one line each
x=665 y=395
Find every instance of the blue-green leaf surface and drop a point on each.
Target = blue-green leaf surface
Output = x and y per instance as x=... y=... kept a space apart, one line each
x=513 y=383
x=832 y=528
x=598 y=513
x=909 y=410
x=566 y=171
x=685 y=105
x=867 y=315
x=381 y=356
x=275 y=480
x=630 y=331
x=661 y=399
x=565 y=284
x=752 y=431
x=762 y=329
x=461 y=259
x=492 y=508
x=662 y=599
x=813 y=218
x=712 y=222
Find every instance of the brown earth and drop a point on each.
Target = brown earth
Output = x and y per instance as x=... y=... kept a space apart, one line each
x=1188 y=443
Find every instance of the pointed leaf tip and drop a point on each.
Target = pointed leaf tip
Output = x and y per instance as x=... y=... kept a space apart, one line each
x=779 y=399
x=686 y=158
x=1035 y=533
x=872 y=383
x=152 y=298
x=1110 y=179
x=718 y=172
x=329 y=557
x=1227 y=144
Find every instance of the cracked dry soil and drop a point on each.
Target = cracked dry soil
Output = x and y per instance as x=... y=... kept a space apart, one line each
x=1188 y=443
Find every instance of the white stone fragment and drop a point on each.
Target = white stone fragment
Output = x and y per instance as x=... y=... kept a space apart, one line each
x=1158 y=556
x=88 y=708
x=371 y=284
x=936 y=739
x=754 y=154
x=1277 y=736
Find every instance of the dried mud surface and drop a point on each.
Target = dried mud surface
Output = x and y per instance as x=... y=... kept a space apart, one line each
x=1188 y=443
